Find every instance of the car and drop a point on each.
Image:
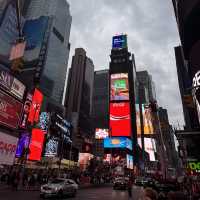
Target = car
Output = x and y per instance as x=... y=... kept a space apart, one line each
x=140 y=181
x=120 y=183
x=59 y=187
x=165 y=187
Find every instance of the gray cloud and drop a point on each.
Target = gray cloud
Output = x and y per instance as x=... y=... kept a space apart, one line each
x=152 y=35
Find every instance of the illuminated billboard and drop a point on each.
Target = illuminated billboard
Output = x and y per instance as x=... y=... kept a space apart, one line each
x=51 y=148
x=119 y=42
x=118 y=142
x=138 y=122
x=101 y=133
x=120 y=121
x=36 y=144
x=147 y=120
x=150 y=147
x=119 y=87
x=23 y=144
x=84 y=160
x=35 y=106
x=129 y=161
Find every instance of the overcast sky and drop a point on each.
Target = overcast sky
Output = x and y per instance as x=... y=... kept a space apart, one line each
x=152 y=35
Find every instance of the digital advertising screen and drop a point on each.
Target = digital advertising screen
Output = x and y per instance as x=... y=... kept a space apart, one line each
x=36 y=144
x=119 y=88
x=44 y=120
x=35 y=106
x=147 y=120
x=129 y=161
x=150 y=147
x=118 y=142
x=119 y=42
x=51 y=148
x=101 y=133
x=84 y=160
x=23 y=144
x=138 y=122
x=120 y=120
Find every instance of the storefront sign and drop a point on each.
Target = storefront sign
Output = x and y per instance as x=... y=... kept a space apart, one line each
x=10 y=110
x=12 y=85
x=8 y=145
x=26 y=110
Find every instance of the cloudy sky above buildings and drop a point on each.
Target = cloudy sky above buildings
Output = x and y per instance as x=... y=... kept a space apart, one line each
x=152 y=35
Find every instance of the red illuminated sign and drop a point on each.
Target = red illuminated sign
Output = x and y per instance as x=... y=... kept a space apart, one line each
x=35 y=107
x=120 y=122
x=36 y=144
x=10 y=110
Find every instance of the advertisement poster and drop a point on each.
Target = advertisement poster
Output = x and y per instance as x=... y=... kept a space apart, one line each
x=11 y=84
x=51 y=149
x=120 y=121
x=129 y=161
x=84 y=160
x=150 y=147
x=8 y=146
x=10 y=111
x=147 y=120
x=23 y=144
x=36 y=144
x=101 y=133
x=118 y=142
x=138 y=122
x=119 y=88
x=119 y=42
x=44 y=120
x=35 y=107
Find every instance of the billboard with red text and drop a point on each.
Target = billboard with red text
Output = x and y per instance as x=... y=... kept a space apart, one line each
x=120 y=120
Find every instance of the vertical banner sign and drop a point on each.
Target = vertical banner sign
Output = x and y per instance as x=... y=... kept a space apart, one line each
x=35 y=107
x=27 y=106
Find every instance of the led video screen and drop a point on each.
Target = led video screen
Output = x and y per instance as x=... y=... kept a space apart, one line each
x=23 y=144
x=51 y=148
x=138 y=122
x=118 y=142
x=119 y=88
x=147 y=120
x=36 y=144
x=129 y=161
x=120 y=121
x=101 y=133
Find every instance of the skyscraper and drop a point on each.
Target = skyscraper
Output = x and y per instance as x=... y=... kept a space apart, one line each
x=185 y=83
x=100 y=106
x=145 y=79
x=47 y=31
x=78 y=100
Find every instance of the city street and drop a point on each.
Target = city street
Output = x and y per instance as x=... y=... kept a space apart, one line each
x=101 y=193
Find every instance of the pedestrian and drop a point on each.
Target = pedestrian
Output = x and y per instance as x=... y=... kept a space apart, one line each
x=130 y=184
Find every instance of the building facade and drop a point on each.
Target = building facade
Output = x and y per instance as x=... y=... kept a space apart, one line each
x=100 y=106
x=145 y=79
x=47 y=49
x=79 y=97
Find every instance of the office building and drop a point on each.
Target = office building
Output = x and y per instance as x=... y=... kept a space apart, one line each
x=148 y=85
x=79 y=97
x=100 y=106
x=185 y=84
x=47 y=31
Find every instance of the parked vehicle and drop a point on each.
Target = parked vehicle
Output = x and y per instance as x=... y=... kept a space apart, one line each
x=59 y=187
x=120 y=183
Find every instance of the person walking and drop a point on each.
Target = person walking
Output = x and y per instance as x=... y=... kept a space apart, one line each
x=130 y=185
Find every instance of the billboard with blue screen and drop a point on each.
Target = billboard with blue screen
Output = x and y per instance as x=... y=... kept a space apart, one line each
x=34 y=32
x=119 y=42
x=118 y=142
